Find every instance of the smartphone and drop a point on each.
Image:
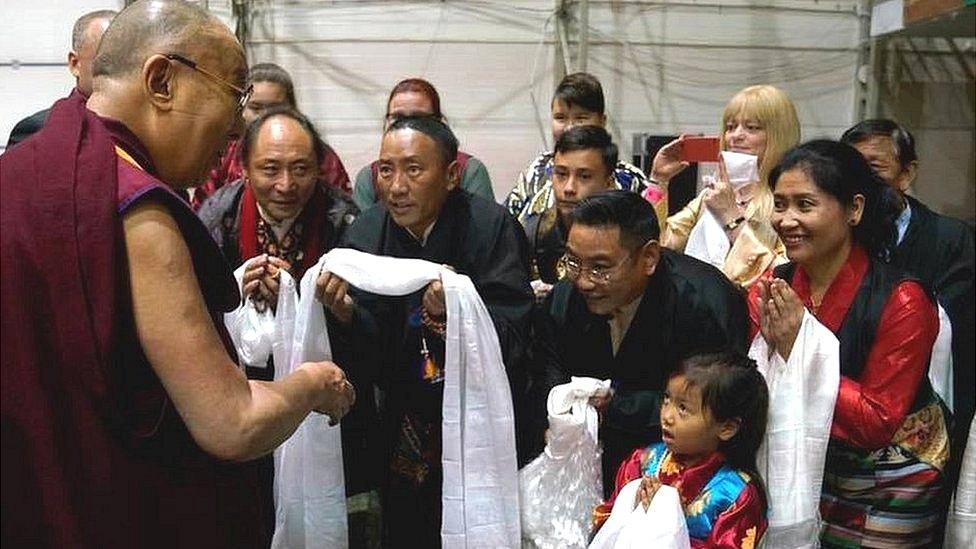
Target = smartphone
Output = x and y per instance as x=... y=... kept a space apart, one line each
x=697 y=148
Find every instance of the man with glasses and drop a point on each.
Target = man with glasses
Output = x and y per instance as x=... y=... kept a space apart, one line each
x=126 y=420
x=629 y=310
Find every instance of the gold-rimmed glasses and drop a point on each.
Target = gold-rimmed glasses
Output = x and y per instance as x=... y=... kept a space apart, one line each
x=243 y=95
x=573 y=268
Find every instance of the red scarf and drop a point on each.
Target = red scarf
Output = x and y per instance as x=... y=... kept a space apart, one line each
x=311 y=218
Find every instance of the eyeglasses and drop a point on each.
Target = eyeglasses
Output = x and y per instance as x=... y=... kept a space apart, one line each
x=243 y=95
x=573 y=268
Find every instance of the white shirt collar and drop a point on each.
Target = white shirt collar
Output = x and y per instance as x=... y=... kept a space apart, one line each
x=423 y=238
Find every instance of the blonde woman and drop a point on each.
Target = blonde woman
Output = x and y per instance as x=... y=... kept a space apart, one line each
x=759 y=120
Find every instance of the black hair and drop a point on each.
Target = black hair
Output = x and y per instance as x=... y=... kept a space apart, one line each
x=80 y=31
x=251 y=132
x=902 y=138
x=842 y=172
x=582 y=138
x=433 y=128
x=583 y=90
x=269 y=72
x=732 y=388
x=625 y=210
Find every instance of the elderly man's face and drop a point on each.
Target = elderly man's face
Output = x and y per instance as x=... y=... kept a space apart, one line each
x=80 y=62
x=606 y=273
x=282 y=170
x=881 y=152
x=577 y=175
x=205 y=112
x=414 y=179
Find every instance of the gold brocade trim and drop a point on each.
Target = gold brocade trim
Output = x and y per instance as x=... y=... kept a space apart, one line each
x=924 y=435
x=697 y=505
x=668 y=466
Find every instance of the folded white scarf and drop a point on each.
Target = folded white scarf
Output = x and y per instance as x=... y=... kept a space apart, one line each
x=961 y=526
x=661 y=526
x=480 y=489
x=802 y=393
x=707 y=241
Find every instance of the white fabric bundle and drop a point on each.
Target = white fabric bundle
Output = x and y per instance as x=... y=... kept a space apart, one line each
x=802 y=393
x=707 y=240
x=480 y=489
x=309 y=488
x=662 y=525
x=253 y=332
x=940 y=364
x=310 y=491
x=961 y=526
x=560 y=488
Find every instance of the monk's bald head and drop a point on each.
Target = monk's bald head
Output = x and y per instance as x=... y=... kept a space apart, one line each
x=149 y=27
x=175 y=76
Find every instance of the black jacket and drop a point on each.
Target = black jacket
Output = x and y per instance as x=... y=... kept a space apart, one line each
x=688 y=307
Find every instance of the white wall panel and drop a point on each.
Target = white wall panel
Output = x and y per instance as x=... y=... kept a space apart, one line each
x=666 y=67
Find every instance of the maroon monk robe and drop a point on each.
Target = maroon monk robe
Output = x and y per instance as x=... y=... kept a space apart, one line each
x=94 y=453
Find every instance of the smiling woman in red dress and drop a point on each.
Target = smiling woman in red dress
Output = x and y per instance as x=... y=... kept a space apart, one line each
x=883 y=477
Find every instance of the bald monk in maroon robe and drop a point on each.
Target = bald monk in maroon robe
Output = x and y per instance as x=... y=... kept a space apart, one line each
x=126 y=421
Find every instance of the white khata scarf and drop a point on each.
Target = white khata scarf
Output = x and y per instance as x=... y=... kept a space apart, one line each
x=480 y=487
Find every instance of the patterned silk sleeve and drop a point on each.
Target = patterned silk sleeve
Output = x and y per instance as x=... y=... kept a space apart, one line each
x=740 y=526
x=528 y=182
x=869 y=410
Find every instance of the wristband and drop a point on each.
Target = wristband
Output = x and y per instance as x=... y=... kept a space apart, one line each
x=731 y=225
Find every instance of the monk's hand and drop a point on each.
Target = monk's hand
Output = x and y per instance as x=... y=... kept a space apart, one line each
x=433 y=300
x=255 y=270
x=647 y=489
x=334 y=394
x=333 y=292
x=780 y=315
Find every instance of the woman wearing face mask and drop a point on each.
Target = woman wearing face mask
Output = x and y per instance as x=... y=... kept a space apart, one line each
x=761 y=121
x=883 y=478
x=418 y=97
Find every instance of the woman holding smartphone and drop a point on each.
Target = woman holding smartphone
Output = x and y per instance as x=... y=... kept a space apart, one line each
x=761 y=121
